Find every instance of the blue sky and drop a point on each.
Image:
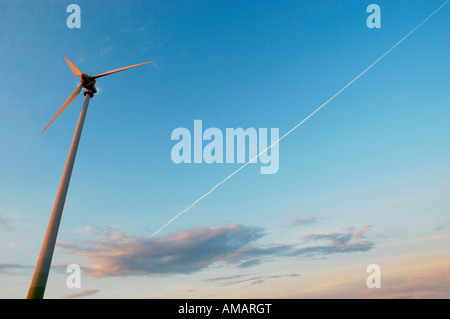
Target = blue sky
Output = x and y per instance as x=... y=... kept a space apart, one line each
x=366 y=180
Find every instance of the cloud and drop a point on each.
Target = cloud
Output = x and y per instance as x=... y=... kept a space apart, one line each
x=15 y=269
x=112 y=252
x=336 y=243
x=254 y=255
x=250 y=263
x=109 y=251
x=298 y=221
x=223 y=278
x=360 y=233
x=436 y=290
x=254 y=280
x=6 y=268
x=84 y=293
x=14 y=246
x=441 y=227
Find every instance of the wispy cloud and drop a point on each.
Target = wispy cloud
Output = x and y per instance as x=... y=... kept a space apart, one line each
x=337 y=243
x=299 y=221
x=402 y=276
x=254 y=280
x=222 y=278
x=83 y=293
x=433 y=290
x=7 y=268
x=14 y=246
x=361 y=233
x=106 y=50
x=14 y=269
x=5 y=223
x=109 y=251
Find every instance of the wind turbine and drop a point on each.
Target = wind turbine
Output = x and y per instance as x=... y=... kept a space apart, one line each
x=39 y=281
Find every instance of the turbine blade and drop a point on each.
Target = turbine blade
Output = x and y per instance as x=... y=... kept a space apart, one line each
x=69 y=100
x=120 y=69
x=75 y=70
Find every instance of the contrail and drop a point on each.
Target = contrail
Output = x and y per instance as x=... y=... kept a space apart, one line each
x=307 y=118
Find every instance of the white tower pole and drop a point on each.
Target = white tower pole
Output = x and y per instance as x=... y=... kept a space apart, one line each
x=38 y=284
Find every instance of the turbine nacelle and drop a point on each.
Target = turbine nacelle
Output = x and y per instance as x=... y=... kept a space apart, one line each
x=88 y=82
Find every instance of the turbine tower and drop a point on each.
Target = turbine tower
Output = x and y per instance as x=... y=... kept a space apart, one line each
x=39 y=281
